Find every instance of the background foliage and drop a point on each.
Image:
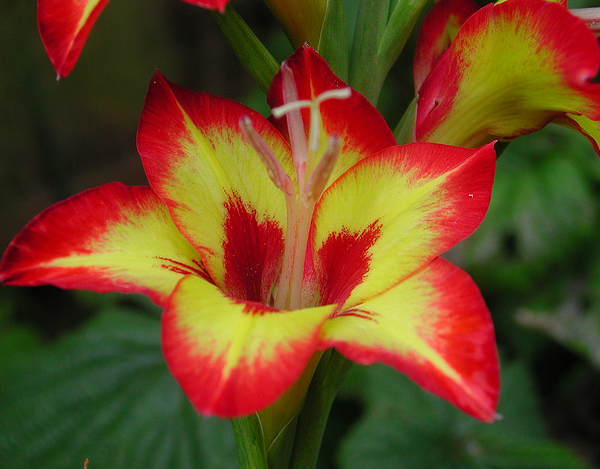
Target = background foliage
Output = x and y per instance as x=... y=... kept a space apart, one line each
x=82 y=376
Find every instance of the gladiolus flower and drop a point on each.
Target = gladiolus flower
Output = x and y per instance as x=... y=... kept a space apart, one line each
x=511 y=69
x=64 y=26
x=268 y=243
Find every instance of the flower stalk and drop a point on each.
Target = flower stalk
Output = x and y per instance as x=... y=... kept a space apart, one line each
x=250 y=442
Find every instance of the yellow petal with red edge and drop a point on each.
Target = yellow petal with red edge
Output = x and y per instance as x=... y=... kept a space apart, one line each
x=512 y=68
x=232 y=357
x=217 y=189
x=392 y=213
x=64 y=26
x=112 y=238
x=435 y=328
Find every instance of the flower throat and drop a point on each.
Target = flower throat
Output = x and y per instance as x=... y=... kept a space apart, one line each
x=314 y=157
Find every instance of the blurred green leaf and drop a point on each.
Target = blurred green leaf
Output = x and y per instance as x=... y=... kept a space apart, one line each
x=104 y=393
x=404 y=427
x=15 y=339
x=543 y=208
x=573 y=318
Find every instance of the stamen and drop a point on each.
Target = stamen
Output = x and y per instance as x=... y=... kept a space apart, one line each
x=315 y=114
x=284 y=109
x=274 y=168
x=295 y=124
x=338 y=93
x=321 y=174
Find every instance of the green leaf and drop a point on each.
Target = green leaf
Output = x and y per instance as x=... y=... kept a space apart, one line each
x=104 y=393
x=405 y=427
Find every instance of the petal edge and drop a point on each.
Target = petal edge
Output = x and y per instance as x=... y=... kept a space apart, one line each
x=435 y=328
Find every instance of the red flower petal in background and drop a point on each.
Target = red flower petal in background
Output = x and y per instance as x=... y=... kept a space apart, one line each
x=64 y=26
x=438 y=30
x=512 y=68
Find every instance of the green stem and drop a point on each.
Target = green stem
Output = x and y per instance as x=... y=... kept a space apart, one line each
x=312 y=419
x=278 y=453
x=249 y=438
x=405 y=129
x=252 y=53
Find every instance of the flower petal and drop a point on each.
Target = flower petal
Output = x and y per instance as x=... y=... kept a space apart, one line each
x=438 y=30
x=360 y=126
x=216 y=188
x=512 y=68
x=111 y=238
x=435 y=328
x=392 y=213
x=231 y=357
x=64 y=26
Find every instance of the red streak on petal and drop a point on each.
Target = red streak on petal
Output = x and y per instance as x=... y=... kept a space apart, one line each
x=181 y=268
x=344 y=261
x=252 y=250
x=359 y=313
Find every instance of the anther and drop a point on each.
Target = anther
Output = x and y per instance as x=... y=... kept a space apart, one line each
x=318 y=179
x=274 y=169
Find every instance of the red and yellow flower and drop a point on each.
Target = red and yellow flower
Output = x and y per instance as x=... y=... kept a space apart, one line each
x=503 y=71
x=267 y=242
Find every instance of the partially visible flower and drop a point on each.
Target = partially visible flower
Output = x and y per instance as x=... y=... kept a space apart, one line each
x=511 y=69
x=438 y=30
x=267 y=244
x=64 y=26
